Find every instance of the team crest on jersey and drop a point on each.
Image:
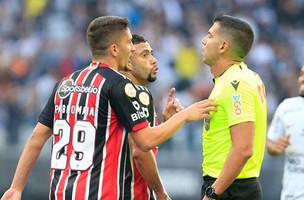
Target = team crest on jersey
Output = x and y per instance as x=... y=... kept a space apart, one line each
x=144 y=98
x=63 y=91
x=130 y=90
x=236 y=104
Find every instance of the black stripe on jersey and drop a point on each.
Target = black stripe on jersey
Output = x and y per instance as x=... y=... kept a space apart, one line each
x=82 y=103
x=151 y=195
x=125 y=173
x=84 y=96
x=128 y=173
x=121 y=175
x=69 y=187
x=55 y=181
x=99 y=144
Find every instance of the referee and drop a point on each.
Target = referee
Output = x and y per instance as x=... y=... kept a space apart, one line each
x=234 y=137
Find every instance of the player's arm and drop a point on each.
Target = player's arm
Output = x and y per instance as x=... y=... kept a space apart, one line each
x=150 y=137
x=30 y=153
x=123 y=99
x=277 y=139
x=278 y=147
x=147 y=166
x=241 y=150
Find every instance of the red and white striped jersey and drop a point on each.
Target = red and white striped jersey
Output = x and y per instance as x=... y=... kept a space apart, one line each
x=91 y=111
x=140 y=187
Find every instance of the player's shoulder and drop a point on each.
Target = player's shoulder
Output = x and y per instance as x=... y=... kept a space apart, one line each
x=291 y=103
x=114 y=78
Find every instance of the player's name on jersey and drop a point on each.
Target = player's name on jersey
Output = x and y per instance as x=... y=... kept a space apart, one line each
x=79 y=110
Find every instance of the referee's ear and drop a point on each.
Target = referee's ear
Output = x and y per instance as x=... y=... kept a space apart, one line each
x=224 y=47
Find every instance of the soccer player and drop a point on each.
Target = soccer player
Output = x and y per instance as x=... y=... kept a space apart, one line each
x=89 y=116
x=286 y=134
x=143 y=70
x=234 y=138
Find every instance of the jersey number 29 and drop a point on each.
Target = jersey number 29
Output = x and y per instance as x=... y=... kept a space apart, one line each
x=82 y=143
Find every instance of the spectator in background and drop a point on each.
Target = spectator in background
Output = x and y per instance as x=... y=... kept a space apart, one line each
x=286 y=135
x=10 y=107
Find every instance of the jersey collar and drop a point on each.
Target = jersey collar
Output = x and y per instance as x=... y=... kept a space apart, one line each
x=99 y=64
x=230 y=70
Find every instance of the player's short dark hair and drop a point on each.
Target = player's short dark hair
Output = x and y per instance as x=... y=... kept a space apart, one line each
x=103 y=31
x=136 y=39
x=239 y=31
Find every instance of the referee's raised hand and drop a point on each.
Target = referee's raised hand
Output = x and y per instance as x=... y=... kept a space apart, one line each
x=200 y=110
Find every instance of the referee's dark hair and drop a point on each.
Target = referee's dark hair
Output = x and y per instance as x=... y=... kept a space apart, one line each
x=136 y=39
x=239 y=31
x=104 y=31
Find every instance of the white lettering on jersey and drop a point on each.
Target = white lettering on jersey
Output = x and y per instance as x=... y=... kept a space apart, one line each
x=78 y=110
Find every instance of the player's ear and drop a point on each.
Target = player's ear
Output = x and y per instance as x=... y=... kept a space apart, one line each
x=113 y=50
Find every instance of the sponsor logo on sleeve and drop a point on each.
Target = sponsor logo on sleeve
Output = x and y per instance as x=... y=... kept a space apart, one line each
x=236 y=103
x=141 y=112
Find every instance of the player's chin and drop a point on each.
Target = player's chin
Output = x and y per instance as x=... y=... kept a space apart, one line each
x=301 y=90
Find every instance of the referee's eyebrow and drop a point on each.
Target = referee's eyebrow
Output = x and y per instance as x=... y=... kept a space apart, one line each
x=210 y=33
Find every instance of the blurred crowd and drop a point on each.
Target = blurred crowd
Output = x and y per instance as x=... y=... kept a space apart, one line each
x=42 y=41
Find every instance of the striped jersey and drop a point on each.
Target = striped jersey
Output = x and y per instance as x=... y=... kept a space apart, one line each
x=91 y=111
x=139 y=185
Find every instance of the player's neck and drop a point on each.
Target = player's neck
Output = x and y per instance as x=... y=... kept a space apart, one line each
x=133 y=79
x=108 y=60
x=221 y=66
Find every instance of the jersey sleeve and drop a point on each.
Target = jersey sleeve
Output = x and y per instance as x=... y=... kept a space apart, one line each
x=46 y=117
x=124 y=100
x=239 y=102
x=276 y=128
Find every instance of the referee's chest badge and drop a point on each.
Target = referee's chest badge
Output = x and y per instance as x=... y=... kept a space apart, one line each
x=207 y=124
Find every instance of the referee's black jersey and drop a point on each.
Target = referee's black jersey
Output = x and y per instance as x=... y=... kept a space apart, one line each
x=91 y=112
